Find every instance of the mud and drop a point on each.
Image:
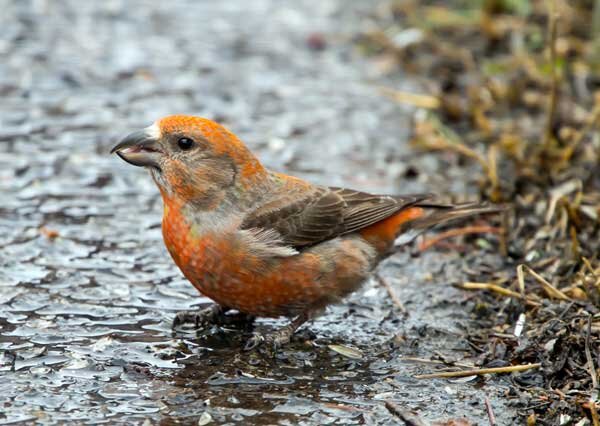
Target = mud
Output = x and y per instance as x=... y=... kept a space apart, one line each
x=87 y=290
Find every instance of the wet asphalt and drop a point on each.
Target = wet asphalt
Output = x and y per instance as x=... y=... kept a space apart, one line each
x=87 y=290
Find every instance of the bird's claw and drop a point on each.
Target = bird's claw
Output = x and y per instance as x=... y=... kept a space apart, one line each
x=254 y=341
x=213 y=315
x=278 y=338
x=200 y=319
x=274 y=340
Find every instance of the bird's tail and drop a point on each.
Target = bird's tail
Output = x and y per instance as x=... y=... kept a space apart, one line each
x=443 y=213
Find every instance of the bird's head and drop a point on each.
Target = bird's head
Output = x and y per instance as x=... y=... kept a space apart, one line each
x=192 y=159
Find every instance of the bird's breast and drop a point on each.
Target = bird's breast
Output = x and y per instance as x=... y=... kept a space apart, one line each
x=212 y=257
x=223 y=267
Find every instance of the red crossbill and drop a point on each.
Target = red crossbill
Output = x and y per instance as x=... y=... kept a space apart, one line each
x=264 y=243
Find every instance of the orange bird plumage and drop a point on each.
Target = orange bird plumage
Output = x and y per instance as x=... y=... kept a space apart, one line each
x=265 y=243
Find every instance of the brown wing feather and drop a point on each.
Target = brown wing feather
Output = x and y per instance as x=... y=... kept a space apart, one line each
x=318 y=213
x=315 y=215
x=365 y=209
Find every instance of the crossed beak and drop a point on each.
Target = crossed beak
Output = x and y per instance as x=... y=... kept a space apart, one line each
x=140 y=149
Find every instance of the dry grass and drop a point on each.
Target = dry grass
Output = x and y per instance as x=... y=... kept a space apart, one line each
x=514 y=87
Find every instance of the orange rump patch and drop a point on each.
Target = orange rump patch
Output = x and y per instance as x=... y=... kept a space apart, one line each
x=382 y=234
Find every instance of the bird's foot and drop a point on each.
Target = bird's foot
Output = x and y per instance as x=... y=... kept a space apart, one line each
x=200 y=318
x=275 y=340
x=212 y=315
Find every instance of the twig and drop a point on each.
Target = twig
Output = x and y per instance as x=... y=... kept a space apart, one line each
x=496 y=289
x=490 y=412
x=415 y=99
x=588 y=356
x=503 y=237
x=596 y=32
x=395 y=299
x=561 y=191
x=433 y=361
x=575 y=248
x=553 y=99
x=423 y=360
x=478 y=372
x=588 y=265
x=456 y=232
x=460 y=148
x=492 y=173
x=590 y=289
x=591 y=122
x=407 y=418
x=433 y=135
x=491 y=287
x=521 y=280
x=548 y=288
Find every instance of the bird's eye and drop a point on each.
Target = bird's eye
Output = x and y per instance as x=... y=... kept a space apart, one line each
x=185 y=143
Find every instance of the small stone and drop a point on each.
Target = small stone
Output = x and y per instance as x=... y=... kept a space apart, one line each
x=205 y=419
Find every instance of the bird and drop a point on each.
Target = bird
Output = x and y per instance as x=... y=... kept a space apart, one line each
x=261 y=243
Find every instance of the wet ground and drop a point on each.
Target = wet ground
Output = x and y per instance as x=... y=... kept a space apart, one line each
x=87 y=290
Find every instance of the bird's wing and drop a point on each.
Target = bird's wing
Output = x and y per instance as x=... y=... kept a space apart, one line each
x=304 y=214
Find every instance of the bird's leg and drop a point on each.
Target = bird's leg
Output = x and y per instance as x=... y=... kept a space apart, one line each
x=279 y=337
x=238 y=319
x=212 y=315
